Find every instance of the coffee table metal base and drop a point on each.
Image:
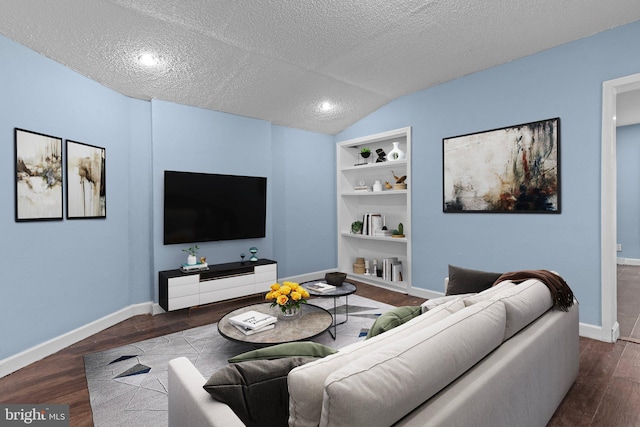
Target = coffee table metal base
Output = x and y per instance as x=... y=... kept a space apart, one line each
x=345 y=290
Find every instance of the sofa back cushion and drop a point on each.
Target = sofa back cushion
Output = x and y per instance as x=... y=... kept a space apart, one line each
x=306 y=383
x=381 y=387
x=524 y=303
x=488 y=293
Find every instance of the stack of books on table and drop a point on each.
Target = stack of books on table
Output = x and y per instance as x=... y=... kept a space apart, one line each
x=252 y=322
x=320 y=287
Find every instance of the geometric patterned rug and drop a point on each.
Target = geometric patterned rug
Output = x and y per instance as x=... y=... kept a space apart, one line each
x=128 y=385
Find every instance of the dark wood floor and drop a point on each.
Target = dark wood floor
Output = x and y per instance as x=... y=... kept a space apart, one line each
x=60 y=378
x=607 y=392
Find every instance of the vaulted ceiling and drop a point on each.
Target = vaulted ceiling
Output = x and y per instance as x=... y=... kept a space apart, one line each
x=279 y=60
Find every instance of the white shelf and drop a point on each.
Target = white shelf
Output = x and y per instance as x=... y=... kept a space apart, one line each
x=375 y=193
x=379 y=238
x=383 y=165
x=394 y=205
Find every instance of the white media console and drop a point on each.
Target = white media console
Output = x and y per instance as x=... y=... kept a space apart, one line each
x=180 y=289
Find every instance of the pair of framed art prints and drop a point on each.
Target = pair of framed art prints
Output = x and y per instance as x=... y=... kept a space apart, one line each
x=39 y=170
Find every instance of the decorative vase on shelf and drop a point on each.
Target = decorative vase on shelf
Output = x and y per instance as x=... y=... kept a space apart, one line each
x=396 y=153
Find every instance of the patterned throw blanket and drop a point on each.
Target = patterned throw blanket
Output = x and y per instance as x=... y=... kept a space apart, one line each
x=560 y=291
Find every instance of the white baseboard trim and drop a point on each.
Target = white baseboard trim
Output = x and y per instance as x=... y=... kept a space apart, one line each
x=47 y=348
x=628 y=261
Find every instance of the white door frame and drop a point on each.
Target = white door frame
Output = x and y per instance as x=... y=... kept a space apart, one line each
x=608 y=226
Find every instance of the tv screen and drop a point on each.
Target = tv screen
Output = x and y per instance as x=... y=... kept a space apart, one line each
x=202 y=207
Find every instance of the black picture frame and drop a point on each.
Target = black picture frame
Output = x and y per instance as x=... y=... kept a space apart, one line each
x=515 y=169
x=38 y=176
x=86 y=181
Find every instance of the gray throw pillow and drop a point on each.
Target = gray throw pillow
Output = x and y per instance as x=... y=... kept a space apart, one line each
x=256 y=390
x=465 y=280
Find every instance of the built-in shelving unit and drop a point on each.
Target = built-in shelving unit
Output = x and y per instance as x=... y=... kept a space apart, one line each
x=394 y=205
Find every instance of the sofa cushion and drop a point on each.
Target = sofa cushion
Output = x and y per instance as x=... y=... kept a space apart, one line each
x=306 y=383
x=488 y=293
x=434 y=302
x=524 y=303
x=465 y=280
x=383 y=386
x=256 y=390
x=290 y=349
x=392 y=318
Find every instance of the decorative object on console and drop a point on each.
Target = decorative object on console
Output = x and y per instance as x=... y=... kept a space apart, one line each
x=400 y=181
x=192 y=252
x=242 y=255
x=287 y=297
x=253 y=251
x=382 y=157
x=86 y=179
x=512 y=169
x=38 y=168
x=335 y=278
x=396 y=153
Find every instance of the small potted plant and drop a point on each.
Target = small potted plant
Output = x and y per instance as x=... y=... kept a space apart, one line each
x=398 y=232
x=192 y=253
x=365 y=152
x=356 y=227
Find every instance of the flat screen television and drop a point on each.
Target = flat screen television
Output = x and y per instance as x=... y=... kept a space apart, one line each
x=203 y=207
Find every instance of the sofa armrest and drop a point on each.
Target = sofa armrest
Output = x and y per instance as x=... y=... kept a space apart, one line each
x=190 y=404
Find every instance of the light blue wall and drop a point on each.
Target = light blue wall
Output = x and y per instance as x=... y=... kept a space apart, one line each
x=197 y=140
x=305 y=201
x=628 y=179
x=58 y=276
x=563 y=82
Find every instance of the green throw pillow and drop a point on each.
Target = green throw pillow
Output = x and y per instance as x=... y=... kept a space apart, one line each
x=393 y=318
x=256 y=390
x=290 y=349
x=466 y=281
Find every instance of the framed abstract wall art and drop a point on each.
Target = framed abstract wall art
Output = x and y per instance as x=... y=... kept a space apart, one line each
x=86 y=181
x=515 y=169
x=38 y=174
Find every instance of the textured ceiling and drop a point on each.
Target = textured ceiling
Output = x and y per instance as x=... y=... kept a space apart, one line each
x=277 y=60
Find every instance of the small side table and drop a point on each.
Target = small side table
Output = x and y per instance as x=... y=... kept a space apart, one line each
x=345 y=290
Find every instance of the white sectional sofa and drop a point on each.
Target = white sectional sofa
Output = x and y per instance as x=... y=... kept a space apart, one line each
x=502 y=357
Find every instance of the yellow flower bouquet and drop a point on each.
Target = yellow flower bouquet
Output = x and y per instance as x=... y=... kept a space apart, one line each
x=287 y=296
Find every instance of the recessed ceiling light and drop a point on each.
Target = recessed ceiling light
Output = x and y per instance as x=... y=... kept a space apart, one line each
x=326 y=106
x=148 y=59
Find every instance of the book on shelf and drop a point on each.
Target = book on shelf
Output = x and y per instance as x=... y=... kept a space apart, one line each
x=371 y=222
x=320 y=287
x=254 y=331
x=253 y=320
x=361 y=188
x=396 y=271
x=386 y=267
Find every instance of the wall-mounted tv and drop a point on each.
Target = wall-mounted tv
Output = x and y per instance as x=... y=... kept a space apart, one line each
x=203 y=207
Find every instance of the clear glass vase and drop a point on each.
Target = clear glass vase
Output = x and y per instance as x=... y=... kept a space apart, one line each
x=290 y=313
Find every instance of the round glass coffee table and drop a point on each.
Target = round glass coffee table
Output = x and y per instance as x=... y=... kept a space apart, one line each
x=346 y=289
x=310 y=323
